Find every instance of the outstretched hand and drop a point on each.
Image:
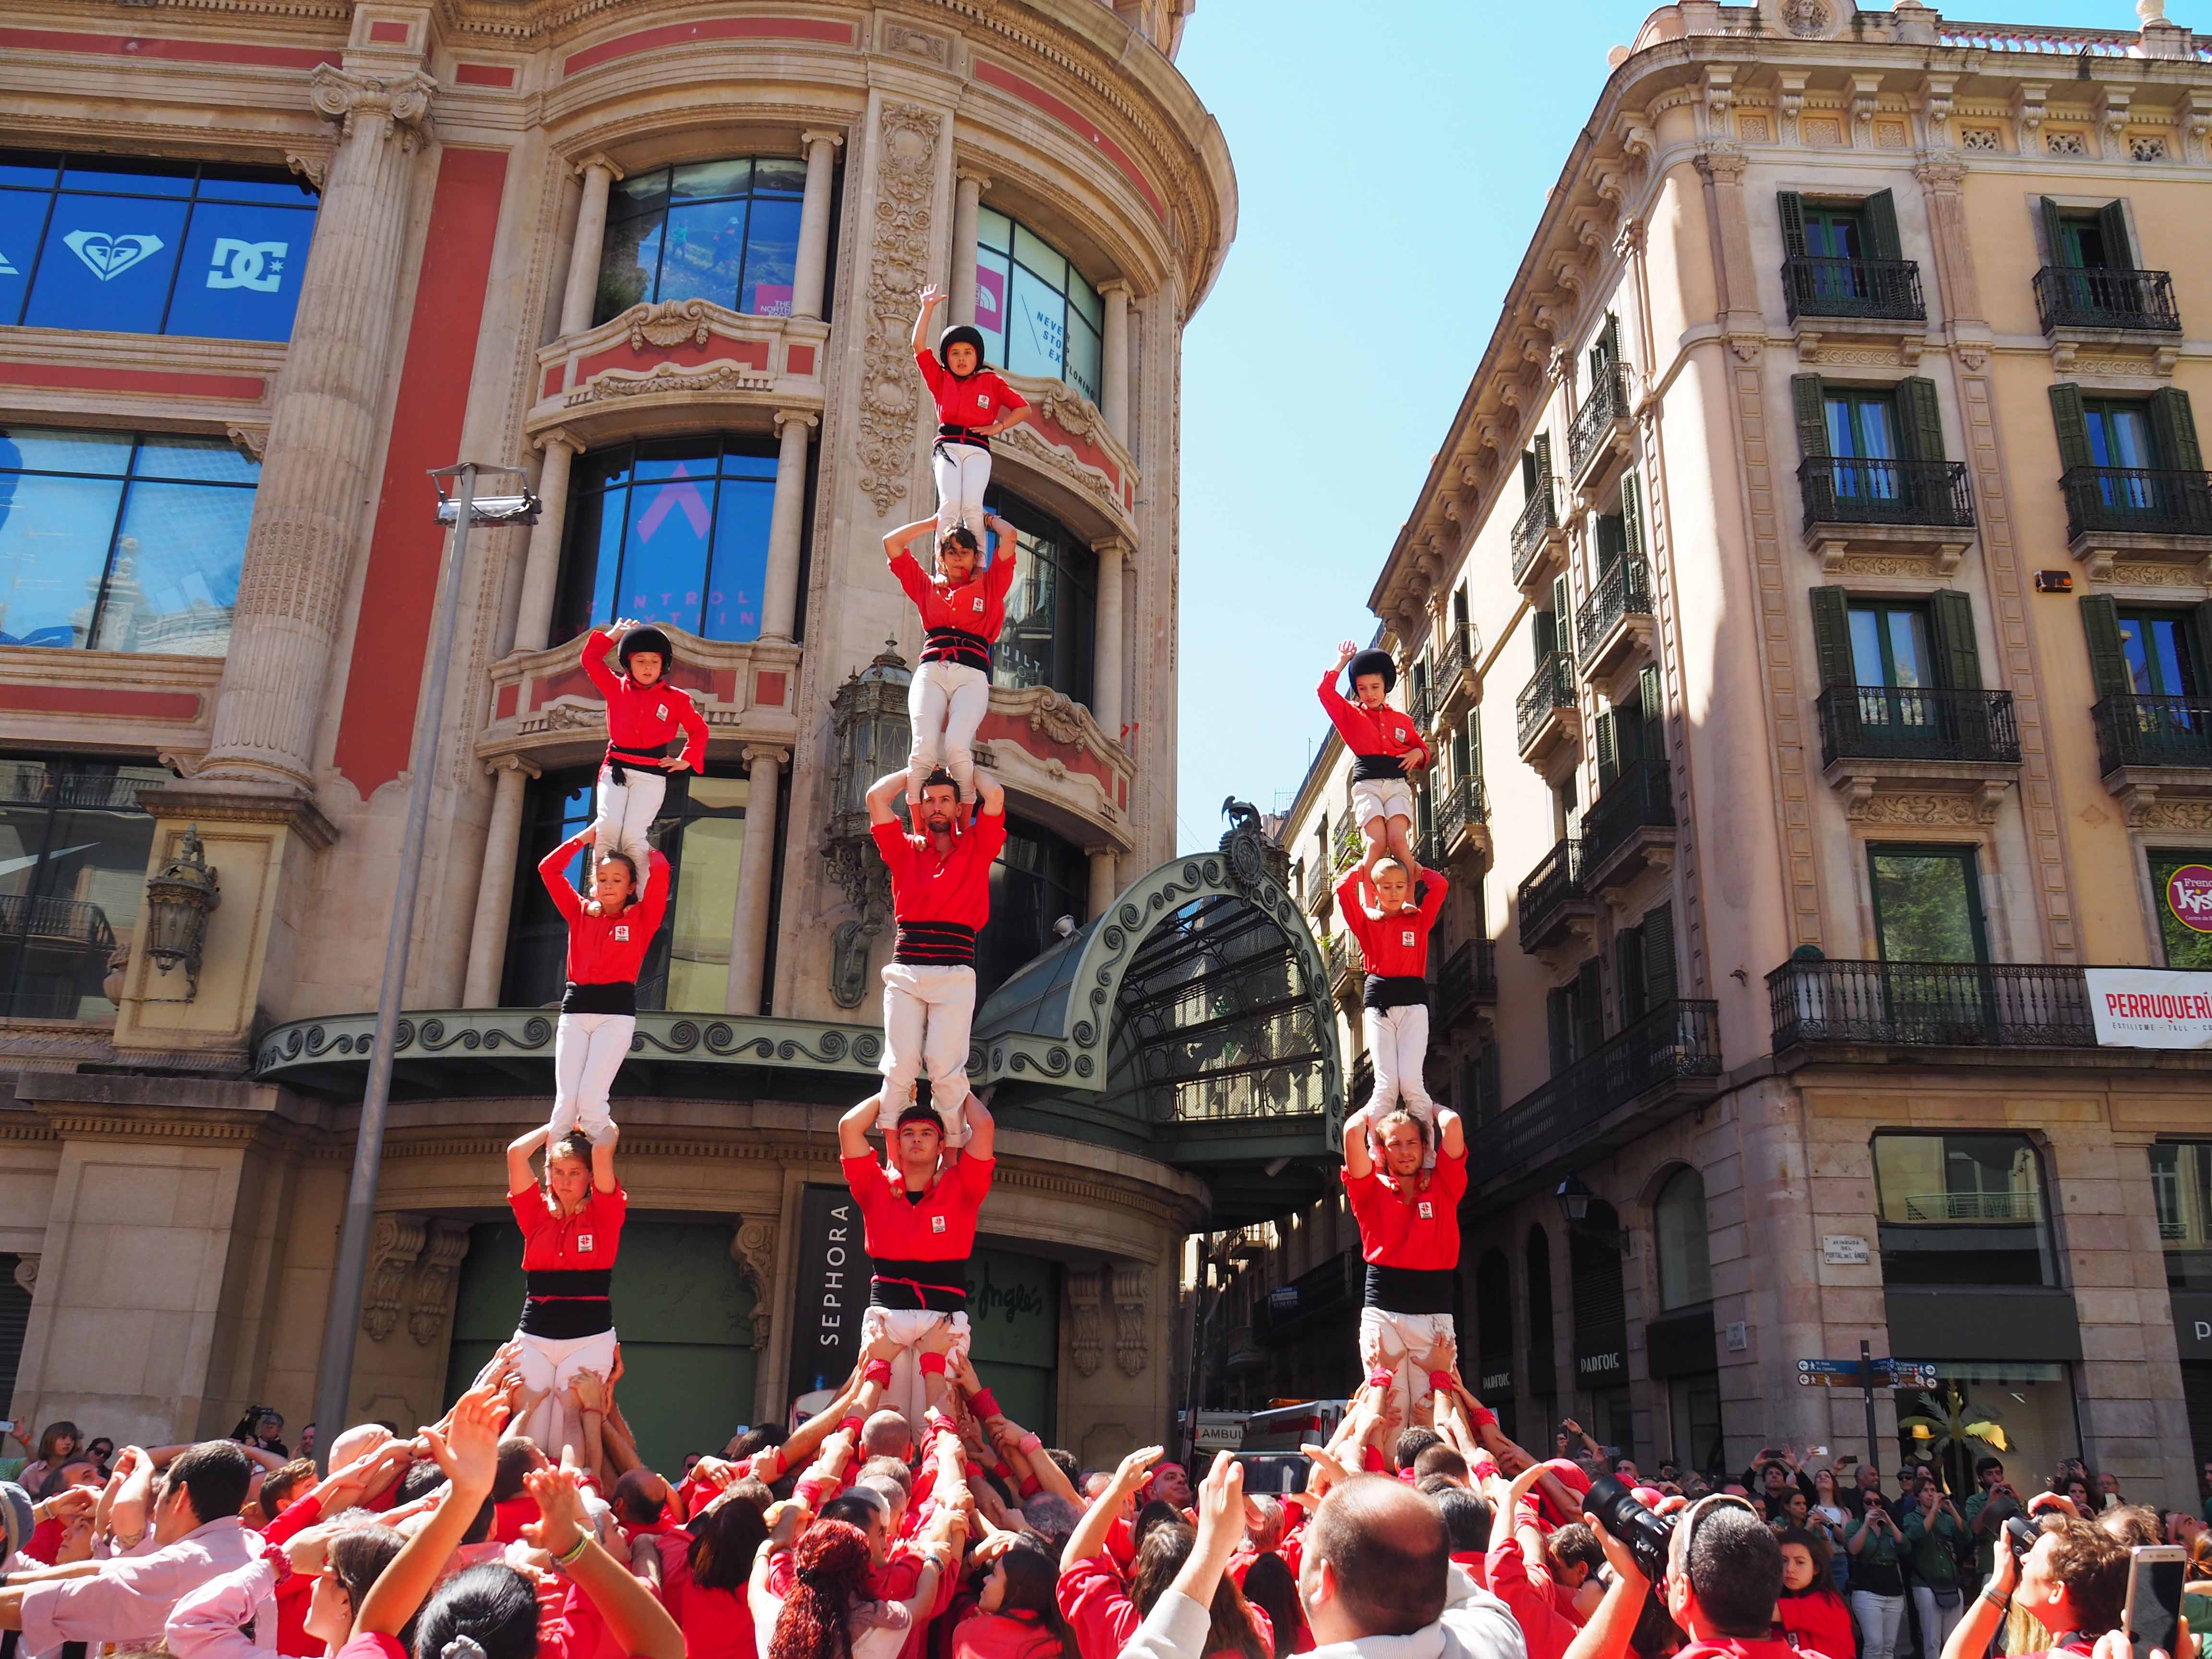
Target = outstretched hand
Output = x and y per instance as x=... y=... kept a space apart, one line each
x=1346 y=651
x=468 y=1449
x=559 y=1496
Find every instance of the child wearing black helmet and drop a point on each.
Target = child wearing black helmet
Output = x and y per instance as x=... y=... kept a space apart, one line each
x=973 y=405
x=645 y=714
x=1384 y=745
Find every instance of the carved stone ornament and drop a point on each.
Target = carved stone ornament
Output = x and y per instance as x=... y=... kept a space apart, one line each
x=392 y=1252
x=1057 y=717
x=752 y=1247
x=249 y=440
x=906 y=137
x=401 y=102
x=915 y=43
x=667 y=377
x=1809 y=19
x=27 y=1273
x=1131 y=1350
x=1087 y=1344
x=669 y=322
x=1919 y=811
x=2189 y=576
x=441 y=1260
x=2182 y=814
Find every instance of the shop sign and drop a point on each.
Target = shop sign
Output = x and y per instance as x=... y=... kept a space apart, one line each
x=1609 y=1366
x=832 y=1272
x=2189 y=896
x=1843 y=1250
x=2151 y=1007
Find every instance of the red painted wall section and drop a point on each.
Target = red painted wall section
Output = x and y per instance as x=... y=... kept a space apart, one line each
x=711 y=29
x=684 y=354
x=1074 y=755
x=144 y=45
x=484 y=75
x=96 y=700
x=154 y=382
x=1073 y=119
x=388 y=32
x=377 y=723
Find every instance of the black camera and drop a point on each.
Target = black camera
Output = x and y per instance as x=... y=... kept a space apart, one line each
x=1624 y=1516
x=2020 y=1534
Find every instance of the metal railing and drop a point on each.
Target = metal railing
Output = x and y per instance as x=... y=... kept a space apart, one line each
x=1345 y=956
x=55 y=921
x=1538 y=518
x=1623 y=591
x=1852 y=489
x=1931 y=1004
x=1461 y=808
x=1468 y=976
x=1349 y=847
x=1639 y=797
x=1898 y=722
x=1675 y=1040
x=1454 y=659
x=2137 y=501
x=1608 y=403
x=1998 y=1206
x=2066 y=297
x=1359 y=1088
x=1548 y=888
x=2153 y=732
x=1552 y=686
x=1817 y=287
x=1421 y=701
x=30 y=784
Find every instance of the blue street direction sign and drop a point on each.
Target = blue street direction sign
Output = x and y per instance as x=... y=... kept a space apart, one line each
x=1845 y=1374
x=1827 y=1373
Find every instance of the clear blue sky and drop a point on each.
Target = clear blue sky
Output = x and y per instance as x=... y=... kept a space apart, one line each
x=1391 y=160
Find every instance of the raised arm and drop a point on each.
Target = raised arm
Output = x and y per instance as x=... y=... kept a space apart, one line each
x=931 y=297
x=1451 y=1133
x=553 y=871
x=1089 y=1538
x=603 y=1160
x=881 y=794
x=636 y=1620
x=597 y=644
x=901 y=540
x=853 y=1128
x=982 y=1127
x=520 y=1177
x=469 y=1457
x=992 y=796
x=1357 y=1164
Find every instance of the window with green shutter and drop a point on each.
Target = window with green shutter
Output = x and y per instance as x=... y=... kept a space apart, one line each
x=2087 y=239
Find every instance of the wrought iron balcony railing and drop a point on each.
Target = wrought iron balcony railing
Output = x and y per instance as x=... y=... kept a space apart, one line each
x=2153 y=732
x=1897 y=722
x=1548 y=889
x=1359 y=1089
x=1461 y=808
x=2067 y=298
x=49 y=923
x=1623 y=591
x=1853 y=287
x=1608 y=403
x=1455 y=661
x=1421 y=702
x=1469 y=976
x=1940 y=1005
x=2137 y=501
x=1538 y=519
x=1674 y=1041
x=1348 y=847
x=1344 y=957
x=1849 y=489
x=1552 y=686
x=1639 y=797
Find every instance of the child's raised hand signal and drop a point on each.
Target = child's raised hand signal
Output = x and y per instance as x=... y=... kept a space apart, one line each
x=1346 y=651
x=931 y=297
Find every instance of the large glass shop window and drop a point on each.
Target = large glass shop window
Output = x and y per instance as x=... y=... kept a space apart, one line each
x=1037 y=879
x=1037 y=314
x=74 y=847
x=674 y=531
x=152 y=247
x=723 y=231
x=1052 y=607
x=121 y=542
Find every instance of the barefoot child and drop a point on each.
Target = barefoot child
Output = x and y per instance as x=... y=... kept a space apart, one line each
x=1385 y=744
x=608 y=939
x=962 y=612
x=973 y=405
x=1394 y=936
x=644 y=714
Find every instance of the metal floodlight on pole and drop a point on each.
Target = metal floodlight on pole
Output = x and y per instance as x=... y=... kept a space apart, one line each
x=461 y=507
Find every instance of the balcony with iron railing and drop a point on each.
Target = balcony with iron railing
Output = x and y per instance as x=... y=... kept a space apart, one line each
x=1468 y=979
x=1601 y=427
x=2131 y=501
x=1931 y=1004
x=2102 y=301
x=1917 y=724
x=1663 y=1063
x=1347 y=963
x=1615 y=620
x=1457 y=671
x=2153 y=732
x=1421 y=703
x=1886 y=290
x=1632 y=814
x=1536 y=532
x=1553 y=895
x=1348 y=847
x=1462 y=819
x=1839 y=489
x=1545 y=713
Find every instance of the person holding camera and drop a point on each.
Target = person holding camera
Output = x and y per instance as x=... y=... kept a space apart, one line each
x=1987 y=1512
x=1876 y=1546
x=2072 y=1579
x=1933 y=1530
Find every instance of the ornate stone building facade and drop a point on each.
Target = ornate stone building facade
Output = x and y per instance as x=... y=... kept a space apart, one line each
x=261 y=266
x=1807 y=604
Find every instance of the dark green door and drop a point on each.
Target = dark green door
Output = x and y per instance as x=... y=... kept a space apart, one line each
x=1013 y=1319
x=1928 y=921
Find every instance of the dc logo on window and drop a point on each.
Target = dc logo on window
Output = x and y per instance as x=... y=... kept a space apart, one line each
x=256 y=265
x=108 y=257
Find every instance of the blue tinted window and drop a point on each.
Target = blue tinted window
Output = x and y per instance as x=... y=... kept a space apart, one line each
x=1037 y=314
x=152 y=247
x=721 y=231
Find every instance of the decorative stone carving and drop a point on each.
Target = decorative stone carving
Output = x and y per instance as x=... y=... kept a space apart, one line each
x=27 y=1273
x=1057 y=717
x=314 y=168
x=1087 y=1344
x=752 y=1247
x=441 y=1260
x=667 y=377
x=402 y=100
x=907 y=136
x=1921 y=810
x=2066 y=144
x=915 y=43
x=1809 y=19
x=2163 y=814
x=2191 y=576
x=392 y=1252
x=669 y=322
x=1985 y=139
x=1130 y=1350
x=249 y=440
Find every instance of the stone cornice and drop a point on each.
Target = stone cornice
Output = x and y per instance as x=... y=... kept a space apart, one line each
x=232 y=801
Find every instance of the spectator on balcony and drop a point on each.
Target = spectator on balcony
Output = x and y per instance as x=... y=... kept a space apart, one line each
x=1394 y=938
x=1385 y=744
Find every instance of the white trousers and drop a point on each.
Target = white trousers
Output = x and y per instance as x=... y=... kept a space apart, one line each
x=626 y=812
x=908 y=1395
x=962 y=473
x=548 y=1365
x=587 y=1052
x=1398 y=1040
x=927 y=1014
x=944 y=705
x=1397 y=1343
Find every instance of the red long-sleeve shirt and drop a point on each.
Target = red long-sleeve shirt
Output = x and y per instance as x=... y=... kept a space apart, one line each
x=1525 y=1587
x=605 y=950
x=1384 y=731
x=1418 y=1229
x=954 y=886
x=1096 y=1606
x=592 y=1237
x=977 y=606
x=972 y=402
x=1817 y=1620
x=643 y=720
x=941 y=1227
x=1396 y=946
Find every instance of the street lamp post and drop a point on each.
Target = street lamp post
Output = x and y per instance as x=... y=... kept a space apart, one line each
x=462 y=509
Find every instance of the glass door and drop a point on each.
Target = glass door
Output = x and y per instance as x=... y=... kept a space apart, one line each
x=1934 y=948
x=1895 y=670
x=1863 y=437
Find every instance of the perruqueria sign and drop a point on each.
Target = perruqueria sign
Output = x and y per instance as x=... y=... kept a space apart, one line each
x=2150 y=1007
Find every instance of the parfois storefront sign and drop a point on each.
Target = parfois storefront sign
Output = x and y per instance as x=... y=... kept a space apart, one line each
x=2150 y=1007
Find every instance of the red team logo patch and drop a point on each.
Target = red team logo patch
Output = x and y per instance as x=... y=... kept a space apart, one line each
x=622 y=932
x=584 y=1242
x=937 y=1224
x=1428 y=1211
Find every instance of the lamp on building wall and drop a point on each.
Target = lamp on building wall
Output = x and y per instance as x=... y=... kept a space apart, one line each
x=1575 y=1197
x=872 y=735
x=179 y=900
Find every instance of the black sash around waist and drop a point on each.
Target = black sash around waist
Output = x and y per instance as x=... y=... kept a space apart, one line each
x=937 y=1286
x=564 y=1303
x=1395 y=991
x=614 y=997
x=620 y=758
x=935 y=944
x=956 y=645
x=949 y=434
x=1409 y=1290
x=1374 y=769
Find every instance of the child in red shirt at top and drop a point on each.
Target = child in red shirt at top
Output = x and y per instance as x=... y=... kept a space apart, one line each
x=645 y=714
x=1394 y=1014
x=962 y=612
x=1384 y=744
x=571 y=1234
x=974 y=406
x=608 y=937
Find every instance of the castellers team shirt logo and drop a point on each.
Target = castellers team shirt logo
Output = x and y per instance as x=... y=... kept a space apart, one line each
x=2189 y=895
x=108 y=257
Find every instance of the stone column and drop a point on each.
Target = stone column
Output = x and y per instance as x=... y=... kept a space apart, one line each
x=811 y=271
x=1105 y=879
x=541 y=565
x=780 y=590
x=967 y=205
x=755 y=873
x=323 y=434
x=576 y=300
x=1106 y=701
x=496 y=883
x=1113 y=375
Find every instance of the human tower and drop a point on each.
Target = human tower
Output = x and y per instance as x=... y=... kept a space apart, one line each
x=1404 y=1160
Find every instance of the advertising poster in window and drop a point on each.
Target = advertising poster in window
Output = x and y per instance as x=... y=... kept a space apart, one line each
x=832 y=1272
x=2150 y=1007
x=991 y=308
x=2182 y=883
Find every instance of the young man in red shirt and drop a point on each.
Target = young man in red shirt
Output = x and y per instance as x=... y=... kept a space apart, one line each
x=974 y=406
x=1409 y=1238
x=645 y=715
x=1394 y=1015
x=1384 y=744
x=962 y=614
x=918 y=1214
x=940 y=898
